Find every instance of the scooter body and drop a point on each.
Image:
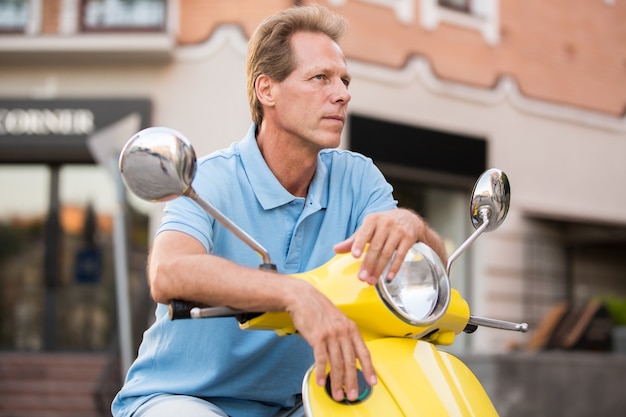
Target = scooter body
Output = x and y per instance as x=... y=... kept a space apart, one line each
x=414 y=377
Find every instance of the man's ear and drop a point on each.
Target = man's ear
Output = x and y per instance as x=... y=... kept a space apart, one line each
x=264 y=89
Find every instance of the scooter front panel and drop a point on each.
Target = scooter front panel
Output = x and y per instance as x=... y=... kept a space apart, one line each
x=424 y=381
x=414 y=380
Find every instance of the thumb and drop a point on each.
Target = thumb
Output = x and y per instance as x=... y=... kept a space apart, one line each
x=345 y=246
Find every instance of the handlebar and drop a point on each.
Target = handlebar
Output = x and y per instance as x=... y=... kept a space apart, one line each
x=496 y=324
x=179 y=309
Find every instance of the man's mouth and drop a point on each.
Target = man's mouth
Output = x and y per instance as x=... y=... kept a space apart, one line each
x=336 y=117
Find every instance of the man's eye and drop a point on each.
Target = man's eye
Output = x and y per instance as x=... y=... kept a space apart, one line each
x=320 y=77
x=346 y=82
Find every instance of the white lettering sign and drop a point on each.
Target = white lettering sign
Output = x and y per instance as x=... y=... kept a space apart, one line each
x=46 y=121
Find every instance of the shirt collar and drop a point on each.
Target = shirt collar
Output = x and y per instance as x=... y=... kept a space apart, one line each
x=268 y=190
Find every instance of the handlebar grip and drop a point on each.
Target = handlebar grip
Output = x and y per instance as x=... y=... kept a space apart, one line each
x=179 y=309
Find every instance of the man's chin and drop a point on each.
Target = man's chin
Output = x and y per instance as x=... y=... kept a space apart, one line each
x=331 y=139
x=331 y=144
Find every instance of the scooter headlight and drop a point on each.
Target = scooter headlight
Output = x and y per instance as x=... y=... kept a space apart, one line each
x=420 y=292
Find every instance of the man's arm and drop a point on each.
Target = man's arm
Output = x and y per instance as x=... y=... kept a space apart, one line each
x=179 y=268
x=386 y=233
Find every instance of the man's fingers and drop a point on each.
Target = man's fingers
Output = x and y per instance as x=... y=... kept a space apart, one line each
x=363 y=236
x=366 y=363
x=352 y=338
x=345 y=246
x=337 y=370
x=398 y=260
x=321 y=362
x=379 y=252
x=392 y=245
x=340 y=350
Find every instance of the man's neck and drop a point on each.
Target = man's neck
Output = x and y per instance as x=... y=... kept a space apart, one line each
x=294 y=166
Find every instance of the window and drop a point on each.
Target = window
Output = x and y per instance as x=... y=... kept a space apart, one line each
x=111 y=15
x=13 y=15
x=479 y=15
x=460 y=5
x=403 y=9
x=477 y=8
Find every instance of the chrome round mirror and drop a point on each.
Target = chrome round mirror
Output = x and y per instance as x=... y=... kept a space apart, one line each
x=490 y=199
x=158 y=164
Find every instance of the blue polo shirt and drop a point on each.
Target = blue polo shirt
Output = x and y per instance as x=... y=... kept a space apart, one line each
x=251 y=373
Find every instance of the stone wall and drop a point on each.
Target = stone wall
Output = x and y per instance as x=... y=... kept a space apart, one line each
x=553 y=384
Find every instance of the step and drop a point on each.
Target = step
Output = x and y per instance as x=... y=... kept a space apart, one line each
x=52 y=384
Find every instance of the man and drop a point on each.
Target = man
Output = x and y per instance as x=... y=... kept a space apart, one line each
x=288 y=186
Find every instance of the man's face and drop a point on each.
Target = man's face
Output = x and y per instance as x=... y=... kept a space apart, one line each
x=311 y=103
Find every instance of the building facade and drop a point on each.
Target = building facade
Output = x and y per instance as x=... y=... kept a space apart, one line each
x=441 y=90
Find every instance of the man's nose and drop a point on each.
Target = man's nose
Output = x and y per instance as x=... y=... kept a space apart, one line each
x=341 y=93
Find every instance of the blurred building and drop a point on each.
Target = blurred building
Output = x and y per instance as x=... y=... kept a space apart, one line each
x=441 y=90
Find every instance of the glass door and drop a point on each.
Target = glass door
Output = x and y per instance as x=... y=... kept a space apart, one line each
x=56 y=257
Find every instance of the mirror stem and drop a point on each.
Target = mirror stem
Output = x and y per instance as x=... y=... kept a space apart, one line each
x=228 y=224
x=484 y=214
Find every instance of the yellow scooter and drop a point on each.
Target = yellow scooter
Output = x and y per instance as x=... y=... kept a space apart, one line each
x=401 y=321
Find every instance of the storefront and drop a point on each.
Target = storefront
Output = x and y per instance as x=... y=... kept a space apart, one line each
x=57 y=274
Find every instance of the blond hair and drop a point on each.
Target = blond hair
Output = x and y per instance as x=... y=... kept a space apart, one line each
x=269 y=50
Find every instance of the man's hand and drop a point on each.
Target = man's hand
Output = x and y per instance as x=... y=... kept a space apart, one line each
x=335 y=340
x=388 y=233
